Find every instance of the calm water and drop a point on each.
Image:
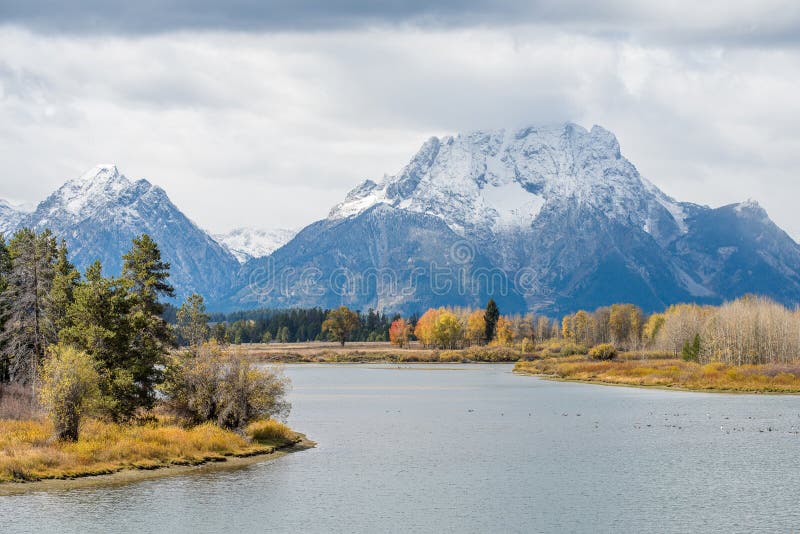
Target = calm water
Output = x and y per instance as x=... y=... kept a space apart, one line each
x=475 y=449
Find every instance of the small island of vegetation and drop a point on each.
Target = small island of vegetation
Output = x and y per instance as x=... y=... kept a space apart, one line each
x=91 y=383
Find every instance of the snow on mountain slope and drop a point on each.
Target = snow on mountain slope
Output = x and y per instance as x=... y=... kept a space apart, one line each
x=10 y=216
x=248 y=243
x=100 y=212
x=499 y=181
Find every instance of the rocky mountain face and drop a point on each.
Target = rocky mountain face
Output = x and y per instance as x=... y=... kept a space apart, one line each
x=551 y=219
x=99 y=213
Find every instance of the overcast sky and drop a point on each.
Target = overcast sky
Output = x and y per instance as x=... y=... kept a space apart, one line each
x=266 y=113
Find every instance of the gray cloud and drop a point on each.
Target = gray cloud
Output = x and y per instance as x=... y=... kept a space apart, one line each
x=270 y=128
x=746 y=22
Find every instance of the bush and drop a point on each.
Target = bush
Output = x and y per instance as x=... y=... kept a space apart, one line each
x=69 y=387
x=605 y=351
x=527 y=346
x=227 y=390
x=565 y=348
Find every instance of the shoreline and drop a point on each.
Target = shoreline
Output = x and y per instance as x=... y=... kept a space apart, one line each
x=680 y=389
x=129 y=475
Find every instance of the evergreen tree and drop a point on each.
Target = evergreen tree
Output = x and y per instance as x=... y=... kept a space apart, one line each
x=5 y=270
x=147 y=279
x=193 y=321
x=28 y=328
x=490 y=317
x=65 y=280
x=99 y=325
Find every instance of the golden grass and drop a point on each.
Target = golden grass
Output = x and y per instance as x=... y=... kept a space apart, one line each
x=27 y=451
x=373 y=352
x=670 y=373
x=270 y=432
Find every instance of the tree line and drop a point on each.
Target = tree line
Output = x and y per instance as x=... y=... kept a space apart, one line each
x=749 y=330
x=288 y=326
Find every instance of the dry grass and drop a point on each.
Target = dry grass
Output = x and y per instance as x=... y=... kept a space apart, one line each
x=27 y=451
x=671 y=373
x=370 y=352
x=270 y=432
x=17 y=402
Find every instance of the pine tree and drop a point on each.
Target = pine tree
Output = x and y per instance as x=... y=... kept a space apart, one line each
x=147 y=279
x=193 y=321
x=5 y=270
x=28 y=329
x=98 y=325
x=65 y=280
x=491 y=316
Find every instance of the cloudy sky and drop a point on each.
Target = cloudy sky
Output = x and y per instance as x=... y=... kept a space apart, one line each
x=264 y=113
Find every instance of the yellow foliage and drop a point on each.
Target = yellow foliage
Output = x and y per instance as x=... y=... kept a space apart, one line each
x=504 y=335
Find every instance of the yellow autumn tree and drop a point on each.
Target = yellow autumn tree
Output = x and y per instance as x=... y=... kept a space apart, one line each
x=476 y=328
x=504 y=334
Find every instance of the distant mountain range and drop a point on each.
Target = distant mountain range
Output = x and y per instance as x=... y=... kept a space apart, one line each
x=250 y=243
x=549 y=219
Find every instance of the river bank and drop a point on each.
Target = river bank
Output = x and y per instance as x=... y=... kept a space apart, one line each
x=669 y=374
x=108 y=452
x=371 y=352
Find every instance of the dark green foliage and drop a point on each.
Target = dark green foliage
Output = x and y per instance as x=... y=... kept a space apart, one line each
x=286 y=326
x=5 y=269
x=100 y=326
x=146 y=278
x=491 y=316
x=691 y=351
x=65 y=280
x=28 y=329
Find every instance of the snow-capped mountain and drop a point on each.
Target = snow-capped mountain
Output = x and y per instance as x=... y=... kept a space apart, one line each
x=549 y=218
x=10 y=216
x=488 y=185
x=100 y=212
x=249 y=243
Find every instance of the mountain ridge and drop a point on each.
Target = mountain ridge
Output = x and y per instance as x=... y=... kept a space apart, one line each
x=547 y=219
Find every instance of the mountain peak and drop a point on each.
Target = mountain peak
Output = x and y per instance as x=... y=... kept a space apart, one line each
x=490 y=181
x=100 y=172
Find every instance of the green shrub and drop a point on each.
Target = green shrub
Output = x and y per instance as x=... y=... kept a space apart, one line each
x=605 y=351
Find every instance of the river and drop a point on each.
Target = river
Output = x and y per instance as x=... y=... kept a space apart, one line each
x=473 y=448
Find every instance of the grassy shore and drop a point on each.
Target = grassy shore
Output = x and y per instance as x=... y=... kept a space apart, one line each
x=28 y=453
x=370 y=352
x=669 y=373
